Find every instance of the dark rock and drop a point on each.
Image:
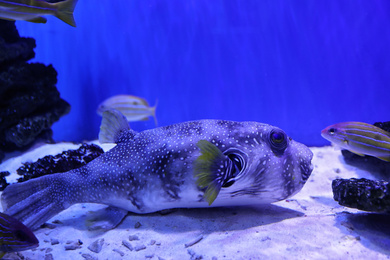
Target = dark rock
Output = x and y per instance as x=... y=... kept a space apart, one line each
x=133 y=237
x=54 y=241
x=384 y=125
x=194 y=256
x=378 y=168
x=137 y=225
x=49 y=257
x=119 y=252
x=363 y=194
x=5 y=173
x=128 y=245
x=13 y=48
x=139 y=247
x=73 y=245
x=3 y=181
x=62 y=162
x=96 y=246
x=9 y=32
x=194 y=241
x=89 y=257
x=30 y=104
x=30 y=101
x=15 y=51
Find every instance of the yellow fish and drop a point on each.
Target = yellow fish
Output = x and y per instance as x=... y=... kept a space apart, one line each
x=15 y=236
x=132 y=107
x=360 y=138
x=33 y=10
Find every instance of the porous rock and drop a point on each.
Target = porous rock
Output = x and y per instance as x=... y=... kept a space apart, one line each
x=62 y=162
x=30 y=101
x=363 y=194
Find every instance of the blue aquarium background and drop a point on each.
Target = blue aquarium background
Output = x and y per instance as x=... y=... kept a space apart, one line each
x=300 y=65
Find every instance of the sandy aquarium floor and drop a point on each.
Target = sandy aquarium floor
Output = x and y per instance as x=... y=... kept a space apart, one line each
x=310 y=225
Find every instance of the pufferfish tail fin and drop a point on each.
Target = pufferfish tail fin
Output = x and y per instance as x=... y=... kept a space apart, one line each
x=210 y=169
x=35 y=201
x=113 y=125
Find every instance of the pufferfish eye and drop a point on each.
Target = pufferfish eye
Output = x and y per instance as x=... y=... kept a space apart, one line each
x=277 y=138
x=278 y=141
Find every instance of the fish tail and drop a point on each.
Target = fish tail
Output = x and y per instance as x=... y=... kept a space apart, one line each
x=65 y=11
x=35 y=201
x=154 y=112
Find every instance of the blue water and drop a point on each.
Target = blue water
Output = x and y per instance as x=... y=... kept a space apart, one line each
x=300 y=65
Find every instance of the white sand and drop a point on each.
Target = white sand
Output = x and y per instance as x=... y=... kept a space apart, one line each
x=311 y=225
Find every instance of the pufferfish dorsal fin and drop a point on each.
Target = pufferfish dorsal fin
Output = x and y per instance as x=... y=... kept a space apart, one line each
x=112 y=126
x=210 y=169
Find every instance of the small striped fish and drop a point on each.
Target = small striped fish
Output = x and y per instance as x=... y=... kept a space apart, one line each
x=34 y=10
x=360 y=138
x=15 y=236
x=132 y=107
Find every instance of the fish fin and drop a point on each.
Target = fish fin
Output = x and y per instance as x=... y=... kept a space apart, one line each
x=65 y=11
x=106 y=219
x=38 y=20
x=360 y=154
x=34 y=202
x=337 y=147
x=387 y=159
x=154 y=112
x=112 y=126
x=206 y=169
x=15 y=235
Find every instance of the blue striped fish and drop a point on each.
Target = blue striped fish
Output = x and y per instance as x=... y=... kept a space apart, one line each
x=33 y=10
x=360 y=138
x=132 y=107
x=15 y=236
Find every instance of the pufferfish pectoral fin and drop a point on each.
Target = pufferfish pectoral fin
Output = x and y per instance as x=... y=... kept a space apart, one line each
x=210 y=169
x=114 y=123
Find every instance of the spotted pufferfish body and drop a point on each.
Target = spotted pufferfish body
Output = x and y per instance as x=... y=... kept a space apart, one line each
x=193 y=164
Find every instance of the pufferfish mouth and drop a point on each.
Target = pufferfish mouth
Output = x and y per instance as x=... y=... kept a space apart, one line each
x=303 y=157
x=306 y=170
x=306 y=166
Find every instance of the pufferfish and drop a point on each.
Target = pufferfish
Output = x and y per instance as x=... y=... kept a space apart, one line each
x=205 y=163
